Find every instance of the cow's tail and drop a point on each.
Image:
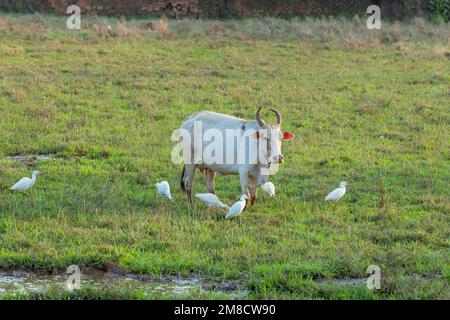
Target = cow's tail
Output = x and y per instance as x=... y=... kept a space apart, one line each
x=183 y=187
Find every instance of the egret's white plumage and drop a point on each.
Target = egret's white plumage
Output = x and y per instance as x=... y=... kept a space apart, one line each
x=269 y=188
x=337 y=193
x=211 y=200
x=237 y=208
x=164 y=189
x=25 y=183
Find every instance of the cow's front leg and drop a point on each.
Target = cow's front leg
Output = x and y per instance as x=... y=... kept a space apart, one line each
x=244 y=184
x=253 y=188
x=209 y=180
x=253 y=192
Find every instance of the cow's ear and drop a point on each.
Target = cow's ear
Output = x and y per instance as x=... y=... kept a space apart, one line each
x=288 y=136
x=256 y=135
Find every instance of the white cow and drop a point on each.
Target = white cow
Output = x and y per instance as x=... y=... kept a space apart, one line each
x=247 y=149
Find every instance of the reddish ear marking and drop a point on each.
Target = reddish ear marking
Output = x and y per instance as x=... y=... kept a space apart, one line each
x=287 y=136
x=256 y=135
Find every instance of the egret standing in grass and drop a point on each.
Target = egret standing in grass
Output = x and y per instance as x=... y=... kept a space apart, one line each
x=269 y=188
x=164 y=189
x=337 y=193
x=237 y=208
x=211 y=200
x=25 y=183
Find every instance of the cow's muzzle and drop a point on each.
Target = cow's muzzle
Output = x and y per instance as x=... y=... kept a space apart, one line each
x=278 y=159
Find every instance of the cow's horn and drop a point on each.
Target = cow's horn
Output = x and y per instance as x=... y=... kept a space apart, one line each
x=261 y=122
x=277 y=113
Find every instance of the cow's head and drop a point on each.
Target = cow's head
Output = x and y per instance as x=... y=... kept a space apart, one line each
x=270 y=137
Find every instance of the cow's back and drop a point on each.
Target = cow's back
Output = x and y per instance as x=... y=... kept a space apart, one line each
x=212 y=120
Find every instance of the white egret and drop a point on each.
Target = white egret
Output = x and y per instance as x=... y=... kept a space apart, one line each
x=211 y=200
x=25 y=183
x=164 y=189
x=269 y=188
x=237 y=208
x=337 y=193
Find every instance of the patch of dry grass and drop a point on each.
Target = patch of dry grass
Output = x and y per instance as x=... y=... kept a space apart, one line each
x=3 y=24
x=349 y=32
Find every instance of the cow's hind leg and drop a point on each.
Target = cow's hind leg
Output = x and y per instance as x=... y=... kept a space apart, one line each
x=209 y=180
x=187 y=179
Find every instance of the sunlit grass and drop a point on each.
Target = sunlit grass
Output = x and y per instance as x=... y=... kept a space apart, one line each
x=375 y=116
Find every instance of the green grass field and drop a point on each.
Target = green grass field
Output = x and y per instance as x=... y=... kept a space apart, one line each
x=104 y=106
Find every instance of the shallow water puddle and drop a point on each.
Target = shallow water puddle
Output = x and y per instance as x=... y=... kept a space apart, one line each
x=32 y=158
x=22 y=282
x=349 y=282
